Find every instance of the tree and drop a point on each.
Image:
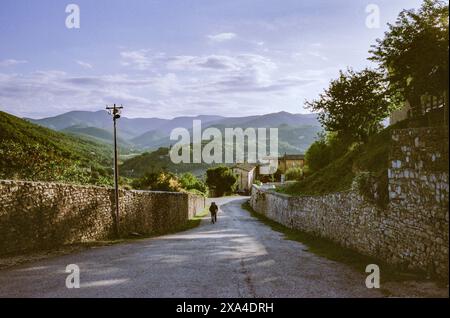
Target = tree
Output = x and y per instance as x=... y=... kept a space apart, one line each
x=414 y=53
x=354 y=104
x=221 y=179
x=324 y=150
x=189 y=182
x=318 y=155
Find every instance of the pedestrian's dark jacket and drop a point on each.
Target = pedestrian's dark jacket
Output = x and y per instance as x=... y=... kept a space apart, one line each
x=213 y=208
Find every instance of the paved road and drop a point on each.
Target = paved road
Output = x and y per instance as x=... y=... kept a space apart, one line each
x=236 y=257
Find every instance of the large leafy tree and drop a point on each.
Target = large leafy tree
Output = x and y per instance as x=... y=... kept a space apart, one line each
x=354 y=104
x=221 y=179
x=414 y=53
x=324 y=150
x=190 y=182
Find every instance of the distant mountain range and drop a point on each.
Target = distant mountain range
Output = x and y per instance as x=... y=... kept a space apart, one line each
x=296 y=131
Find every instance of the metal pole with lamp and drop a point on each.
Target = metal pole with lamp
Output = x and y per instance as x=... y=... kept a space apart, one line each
x=115 y=111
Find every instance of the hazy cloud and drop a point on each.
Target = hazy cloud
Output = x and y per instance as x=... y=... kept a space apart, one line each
x=45 y=90
x=85 y=64
x=138 y=59
x=165 y=85
x=11 y=62
x=213 y=62
x=221 y=37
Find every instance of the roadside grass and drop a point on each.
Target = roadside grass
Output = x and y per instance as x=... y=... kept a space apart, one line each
x=332 y=251
x=192 y=223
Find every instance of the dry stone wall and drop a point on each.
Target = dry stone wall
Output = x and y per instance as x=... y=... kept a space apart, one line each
x=36 y=215
x=418 y=172
x=412 y=232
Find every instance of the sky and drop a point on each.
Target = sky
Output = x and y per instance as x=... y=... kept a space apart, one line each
x=164 y=59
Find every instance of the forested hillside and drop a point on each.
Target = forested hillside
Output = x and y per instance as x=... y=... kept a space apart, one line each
x=32 y=152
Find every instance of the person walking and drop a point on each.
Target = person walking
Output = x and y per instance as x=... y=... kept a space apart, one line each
x=213 y=209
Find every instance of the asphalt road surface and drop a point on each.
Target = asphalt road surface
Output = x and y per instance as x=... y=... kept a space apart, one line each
x=236 y=257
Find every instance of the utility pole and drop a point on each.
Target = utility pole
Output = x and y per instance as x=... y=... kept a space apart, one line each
x=115 y=111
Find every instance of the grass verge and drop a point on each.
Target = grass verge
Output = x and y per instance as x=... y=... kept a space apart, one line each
x=192 y=223
x=332 y=251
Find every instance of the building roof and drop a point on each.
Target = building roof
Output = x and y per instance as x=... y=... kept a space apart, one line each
x=244 y=166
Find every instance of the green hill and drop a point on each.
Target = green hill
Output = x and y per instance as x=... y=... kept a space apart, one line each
x=156 y=161
x=99 y=135
x=296 y=131
x=32 y=152
x=94 y=132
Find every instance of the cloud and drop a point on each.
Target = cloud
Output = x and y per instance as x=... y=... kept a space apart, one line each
x=137 y=59
x=144 y=59
x=238 y=63
x=239 y=84
x=120 y=80
x=212 y=62
x=11 y=62
x=54 y=92
x=318 y=55
x=221 y=37
x=312 y=54
x=85 y=64
x=163 y=85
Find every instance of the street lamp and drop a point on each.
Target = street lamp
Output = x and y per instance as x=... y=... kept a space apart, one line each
x=115 y=111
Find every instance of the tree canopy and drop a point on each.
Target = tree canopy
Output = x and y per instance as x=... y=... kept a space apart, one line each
x=414 y=53
x=354 y=104
x=221 y=179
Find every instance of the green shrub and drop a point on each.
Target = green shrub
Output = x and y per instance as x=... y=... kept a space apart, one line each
x=190 y=182
x=318 y=155
x=326 y=149
x=195 y=191
x=363 y=184
x=294 y=174
x=162 y=181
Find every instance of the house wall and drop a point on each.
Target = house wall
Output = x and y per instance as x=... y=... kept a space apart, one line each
x=245 y=179
x=250 y=179
x=285 y=165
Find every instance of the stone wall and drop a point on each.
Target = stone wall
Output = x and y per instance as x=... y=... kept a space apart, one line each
x=412 y=232
x=36 y=215
x=418 y=168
